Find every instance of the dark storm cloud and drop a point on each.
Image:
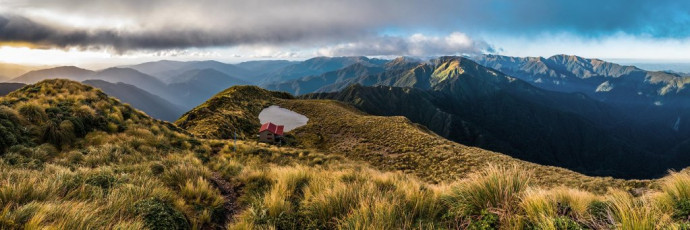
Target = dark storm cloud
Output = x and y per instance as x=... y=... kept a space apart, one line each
x=161 y=24
x=15 y=28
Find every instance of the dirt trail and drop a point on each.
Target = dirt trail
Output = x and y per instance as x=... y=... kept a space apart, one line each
x=230 y=191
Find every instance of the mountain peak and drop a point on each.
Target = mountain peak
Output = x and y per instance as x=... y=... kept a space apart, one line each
x=401 y=62
x=121 y=70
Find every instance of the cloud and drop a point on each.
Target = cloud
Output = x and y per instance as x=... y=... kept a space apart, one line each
x=177 y=24
x=15 y=28
x=455 y=43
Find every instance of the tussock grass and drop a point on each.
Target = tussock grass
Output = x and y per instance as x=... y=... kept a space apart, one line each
x=547 y=209
x=495 y=189
x=340 y=195
x=636 y=213
x=304 y=197
x=108 y=166
x=84 y=161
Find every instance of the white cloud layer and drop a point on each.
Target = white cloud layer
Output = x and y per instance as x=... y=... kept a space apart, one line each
x=455 y=43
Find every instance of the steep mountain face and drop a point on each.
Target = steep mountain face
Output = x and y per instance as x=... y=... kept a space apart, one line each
x=625 y=85
x=506 y=124
x=468 y=103
x=196 y=86
x=6 y=88
x=152 y=105
x=315 y=66
x=168 y=70
x=656 y=101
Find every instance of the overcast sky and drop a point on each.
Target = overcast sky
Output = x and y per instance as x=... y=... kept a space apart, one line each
x=104 y=32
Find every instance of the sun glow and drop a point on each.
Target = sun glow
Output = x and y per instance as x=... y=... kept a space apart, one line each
x=28 y=56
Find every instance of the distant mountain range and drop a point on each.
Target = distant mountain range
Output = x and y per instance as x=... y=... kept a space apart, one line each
x=168 y=70
x=474 y=105
x=599 y=79
x=152 y=105
x=588 y=115
x=185 y=90
x=315 y=66
x=193 y=87
x=318 y=82
x=9 y=71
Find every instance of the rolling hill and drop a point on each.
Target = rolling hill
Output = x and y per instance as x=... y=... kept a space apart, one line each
x=311 y=84
x=9 y=71
x=314 y=66
x=167 y=70
x=193 y=87
x=187 y=89
x=133 y=77
x=152 y=105
x=64 y=72
x=113 y=75
x=264 y=66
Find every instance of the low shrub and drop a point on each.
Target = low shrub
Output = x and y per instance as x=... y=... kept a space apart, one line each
x=157 y=168
x=103 y=180
x=486 y=221
x=158 y=214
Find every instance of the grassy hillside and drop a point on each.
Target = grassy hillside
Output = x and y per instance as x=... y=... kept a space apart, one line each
x=234 y=110
x=515 y=126
x=388 y=143
x=478 y=106
x=73 y=158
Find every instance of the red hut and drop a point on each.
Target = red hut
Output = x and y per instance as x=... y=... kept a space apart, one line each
x=271 y=133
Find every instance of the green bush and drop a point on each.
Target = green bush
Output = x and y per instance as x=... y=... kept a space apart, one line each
x=566 y=223
x=157 y=168
x=17 y=159
x=158 y=214
x=103 y=180
x=599 y=211
x=486 y=221
x=10 y=129
x=681 y=210
x=33 y=113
